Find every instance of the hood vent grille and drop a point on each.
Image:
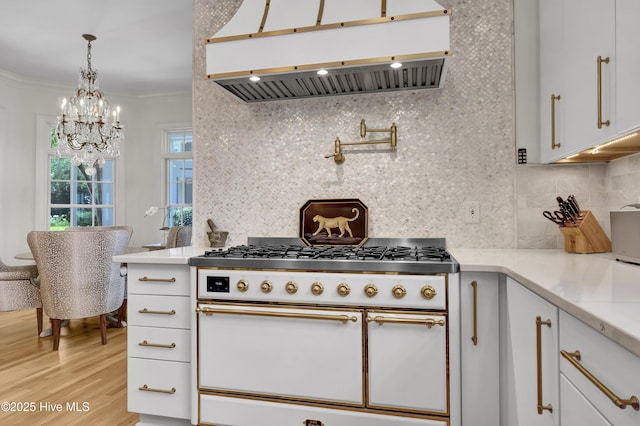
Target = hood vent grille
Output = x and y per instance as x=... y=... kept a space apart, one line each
x=418 y=75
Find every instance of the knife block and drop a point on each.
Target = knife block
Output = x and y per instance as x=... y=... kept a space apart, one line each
x=586 y=236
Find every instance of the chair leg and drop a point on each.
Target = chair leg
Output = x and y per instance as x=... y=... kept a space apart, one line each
x=55 y=329
x=122 y=313
x=103 y=328
x=39 y=319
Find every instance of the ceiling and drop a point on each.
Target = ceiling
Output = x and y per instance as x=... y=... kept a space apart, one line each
x=143 y=47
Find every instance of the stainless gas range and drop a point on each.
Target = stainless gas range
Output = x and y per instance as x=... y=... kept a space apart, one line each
x=335 y=336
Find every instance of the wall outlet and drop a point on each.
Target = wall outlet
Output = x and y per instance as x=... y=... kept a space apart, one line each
x=471 y=212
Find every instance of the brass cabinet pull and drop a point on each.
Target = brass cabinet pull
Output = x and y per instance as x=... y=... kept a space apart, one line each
x=148 y=389
x=539 y=324
x=474 y=338
x=574 y=357
x=147 y=311
x=157 y=345
x=600 y=61
x=342 y=318
x=554 y=98
x=429 y=322
x=158 y=280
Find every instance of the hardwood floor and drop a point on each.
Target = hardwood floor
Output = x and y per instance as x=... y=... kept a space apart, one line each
x=83 y=374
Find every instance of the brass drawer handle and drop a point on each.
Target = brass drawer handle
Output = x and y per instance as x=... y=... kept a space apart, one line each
x=342 y=318
x=148 y=389
x=157 y=345
x=148 y=311
x=539 y=324
x=158 y=280
x=429 y=322
x=574 y=357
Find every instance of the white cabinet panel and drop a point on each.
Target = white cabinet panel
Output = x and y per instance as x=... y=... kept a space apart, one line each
x=627 y=65
x=527 y=314
x=159 y=311
x=576 y=409
x=158 y=279
x=170 y=344
x=480 y=349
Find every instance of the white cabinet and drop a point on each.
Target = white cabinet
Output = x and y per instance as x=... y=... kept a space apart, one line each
x=627 y=65
x=598 y=375
x=577 y=91
x=480 y=375
x=159 y=344
x=531 y=376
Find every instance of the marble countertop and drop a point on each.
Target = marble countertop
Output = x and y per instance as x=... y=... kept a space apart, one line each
x=594 y=288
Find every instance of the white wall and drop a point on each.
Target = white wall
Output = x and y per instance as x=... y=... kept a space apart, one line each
x=139 y=167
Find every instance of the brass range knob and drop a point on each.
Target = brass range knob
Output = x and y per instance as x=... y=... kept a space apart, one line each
x=370 y=290
x=266 y=286
x=317 y=288
x=292 y=287
x=343 y=289
x=242 y=285
x=428 y=292
x=399 y=291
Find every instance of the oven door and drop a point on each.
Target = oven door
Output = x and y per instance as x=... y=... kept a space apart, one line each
x=278 y=352
x=407 y=361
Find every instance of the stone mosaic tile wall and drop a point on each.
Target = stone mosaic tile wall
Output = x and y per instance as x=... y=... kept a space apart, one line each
x=257 y=164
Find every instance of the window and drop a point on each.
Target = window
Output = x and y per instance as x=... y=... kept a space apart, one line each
x=179 y=177
x=77 y=199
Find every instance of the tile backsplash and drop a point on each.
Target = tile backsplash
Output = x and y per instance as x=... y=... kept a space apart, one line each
x=257 y=164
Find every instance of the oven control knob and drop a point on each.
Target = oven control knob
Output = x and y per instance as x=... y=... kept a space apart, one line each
x=428 y=292
x=343 y=289
x=317 y=288
x=292 y=287
x=370 y=290
x=398 y=291
x=242 y=285
x=266 y=286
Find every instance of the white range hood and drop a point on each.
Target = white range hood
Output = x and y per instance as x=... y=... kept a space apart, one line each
x=285 y=43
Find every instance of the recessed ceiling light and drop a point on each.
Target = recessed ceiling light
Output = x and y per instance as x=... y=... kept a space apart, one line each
x=323 y=72
x=396 y=64
x=254 y=78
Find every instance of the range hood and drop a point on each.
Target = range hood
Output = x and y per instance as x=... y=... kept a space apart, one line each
x=287 y=49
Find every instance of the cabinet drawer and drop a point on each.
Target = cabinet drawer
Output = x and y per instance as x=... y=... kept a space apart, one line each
x=165 y=388
x=158 y=279
x=169 y=344
x=610 y=364
x=220 y=410
x=159 y=311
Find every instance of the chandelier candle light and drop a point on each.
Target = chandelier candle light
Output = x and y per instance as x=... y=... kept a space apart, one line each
x=88 y=131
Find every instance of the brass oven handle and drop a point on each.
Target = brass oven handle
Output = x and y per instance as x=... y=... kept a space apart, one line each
x=474 y=338
x=158 y=280
x=157 y=345
x=429 y=322
x=601 y=123
x=574 y=357
x=554 y=98
x=539 y=324
x=342 y=318
x=148 y=389
x=148 y=311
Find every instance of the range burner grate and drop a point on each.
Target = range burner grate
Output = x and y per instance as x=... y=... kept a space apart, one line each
x=397 y=253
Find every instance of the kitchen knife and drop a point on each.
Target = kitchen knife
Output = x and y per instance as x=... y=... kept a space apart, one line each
x=573 y=201
x=566 y=211
x=573 y=205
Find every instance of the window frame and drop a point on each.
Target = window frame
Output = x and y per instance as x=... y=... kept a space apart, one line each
x=167 y=157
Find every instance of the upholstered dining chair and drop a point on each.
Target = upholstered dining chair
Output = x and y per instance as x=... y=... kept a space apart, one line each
x=18 y=290
x=78 y=279
x=121 y=316
x=178 y=236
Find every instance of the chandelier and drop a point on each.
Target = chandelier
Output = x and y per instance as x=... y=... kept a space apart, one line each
x=87 y=130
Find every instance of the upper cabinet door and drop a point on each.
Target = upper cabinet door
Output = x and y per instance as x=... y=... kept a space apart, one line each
x=573 y=35
x=552 y=68
x=627 y=65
